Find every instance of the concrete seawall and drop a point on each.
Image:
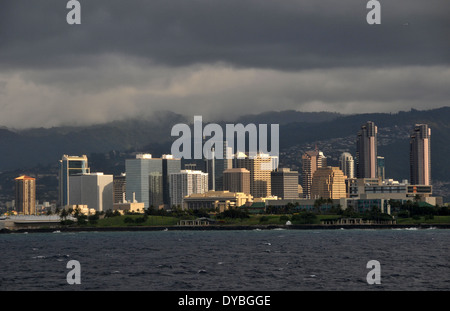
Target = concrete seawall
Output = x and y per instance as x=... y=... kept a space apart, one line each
x=226 y=227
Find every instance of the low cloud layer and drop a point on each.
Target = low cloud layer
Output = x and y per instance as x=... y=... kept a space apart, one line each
x=220 y=59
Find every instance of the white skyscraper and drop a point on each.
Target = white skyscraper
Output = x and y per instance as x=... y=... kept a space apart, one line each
x=185 y=183
x=94 y=190
x=347 y=164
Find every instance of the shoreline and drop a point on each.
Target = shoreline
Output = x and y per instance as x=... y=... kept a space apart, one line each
x=224 y=228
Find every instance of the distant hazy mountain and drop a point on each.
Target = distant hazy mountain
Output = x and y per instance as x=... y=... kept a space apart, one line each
x=31 y=147
x=28 y=148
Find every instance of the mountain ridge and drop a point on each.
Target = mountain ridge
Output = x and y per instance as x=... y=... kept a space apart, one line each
x=30 y=147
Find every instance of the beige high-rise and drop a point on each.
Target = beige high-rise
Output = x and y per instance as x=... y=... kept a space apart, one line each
x=260 y=168
x=328 y=183
x=311 y=161
x=420 y=155
x=366 y=151
x=237 y=180
x=26 y=195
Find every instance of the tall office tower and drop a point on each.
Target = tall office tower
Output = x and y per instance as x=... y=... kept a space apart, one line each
x=420 y=155
x=236 y=180
x=94 y=190
x=148 y=178
x=25 y=188
x=185 y=183
x=328 y=183
x=311 y=161
x=347 y=164
x=366 y=151
x=171 y=165
x=381 y=168
x=119 y=187
x=285 y=183
x=260 y=167
x=68 y=166
x=144 y=180
x=217 y=165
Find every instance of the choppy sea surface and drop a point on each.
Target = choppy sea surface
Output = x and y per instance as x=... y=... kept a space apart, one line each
x=247 y=260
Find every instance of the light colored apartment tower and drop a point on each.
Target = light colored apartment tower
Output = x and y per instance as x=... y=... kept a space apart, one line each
x=420 y=155
x=347 y=164
x=68 y=166
x=237 y=180
x=147 y=178
x=311 y=161
x=366 y=151
x=328 y=183
x=285 y=183
x=170 y=165
x=25 y=190
x=94 y=190
x=185 y=183
x=260 y=168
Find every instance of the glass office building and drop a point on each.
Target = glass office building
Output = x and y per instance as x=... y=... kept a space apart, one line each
x=147 y=178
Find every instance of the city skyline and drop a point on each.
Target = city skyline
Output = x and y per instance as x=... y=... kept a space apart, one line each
x=146 y=179
x=136 y=137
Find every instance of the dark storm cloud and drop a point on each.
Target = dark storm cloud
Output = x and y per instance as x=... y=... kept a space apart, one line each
x=218 y=58
x=246 y=33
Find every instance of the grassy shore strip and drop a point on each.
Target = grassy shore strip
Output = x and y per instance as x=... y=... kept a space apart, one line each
x=224 y=227
x=253 y=220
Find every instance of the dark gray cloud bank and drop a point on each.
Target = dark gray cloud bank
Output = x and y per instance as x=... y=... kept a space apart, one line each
x=218 y=58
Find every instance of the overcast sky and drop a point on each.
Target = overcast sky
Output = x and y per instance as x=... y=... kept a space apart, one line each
x=218 y=58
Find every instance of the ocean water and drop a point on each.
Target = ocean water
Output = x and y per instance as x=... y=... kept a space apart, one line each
x=247 y=260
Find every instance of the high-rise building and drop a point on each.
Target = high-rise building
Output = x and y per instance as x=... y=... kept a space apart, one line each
x=94 y=190
x=217 y=165
x=328 y=183
x=420 y=155
x=185 y=183
x=347 y=164
x=119 y=187
x=144 y=180
x=68 y=166
x=147 y=178
x=170 y=165
x=311 y=161
x=260 y=168
x=366 y=151
x=25 y=189
x=381 y=168
x=285 y=183
x=237 y=180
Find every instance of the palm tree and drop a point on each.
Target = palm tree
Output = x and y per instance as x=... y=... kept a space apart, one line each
x=64 y=213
